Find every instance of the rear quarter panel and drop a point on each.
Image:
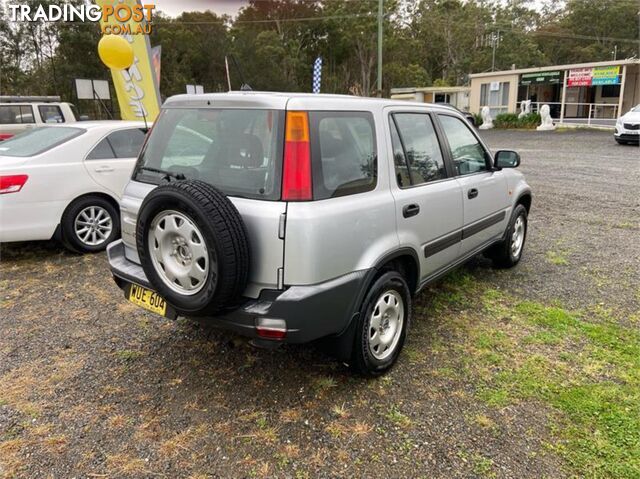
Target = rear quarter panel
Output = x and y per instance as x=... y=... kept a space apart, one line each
x=329 y=238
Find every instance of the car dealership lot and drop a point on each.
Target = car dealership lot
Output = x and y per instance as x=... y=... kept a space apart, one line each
x=503 y=373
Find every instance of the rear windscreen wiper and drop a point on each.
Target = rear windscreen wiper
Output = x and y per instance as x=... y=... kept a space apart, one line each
x=167 y=174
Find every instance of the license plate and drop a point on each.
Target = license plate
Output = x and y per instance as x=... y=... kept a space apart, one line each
x=149 y=300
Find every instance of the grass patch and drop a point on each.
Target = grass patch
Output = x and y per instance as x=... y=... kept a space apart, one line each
x=596 y=386
x=558 y=258
x=398 y=418
x=582 y=365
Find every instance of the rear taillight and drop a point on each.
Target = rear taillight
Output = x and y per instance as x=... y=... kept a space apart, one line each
x=5 y=136
x=296 y=174
x=12 y=184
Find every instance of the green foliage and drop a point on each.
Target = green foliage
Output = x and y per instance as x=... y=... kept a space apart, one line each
x=427 y=42
x=506 y=120
x=511 y=120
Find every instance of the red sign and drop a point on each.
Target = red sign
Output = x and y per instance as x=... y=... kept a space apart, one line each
x=580 y=77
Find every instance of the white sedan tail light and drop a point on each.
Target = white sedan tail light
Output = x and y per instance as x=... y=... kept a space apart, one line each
x=12 y=183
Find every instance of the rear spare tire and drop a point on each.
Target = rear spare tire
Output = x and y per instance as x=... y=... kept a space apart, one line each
x=193 y=247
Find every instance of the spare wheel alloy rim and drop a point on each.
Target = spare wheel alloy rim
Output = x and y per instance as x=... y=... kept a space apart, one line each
x=179 y=253
x=385 y=324
x=93 y=225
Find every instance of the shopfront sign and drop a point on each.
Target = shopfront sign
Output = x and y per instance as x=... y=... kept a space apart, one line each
x=594 y=76
x=541 y=78
x=579 y=77
x=606 y=76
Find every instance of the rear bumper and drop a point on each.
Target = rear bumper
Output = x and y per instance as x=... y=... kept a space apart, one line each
x=311 y=311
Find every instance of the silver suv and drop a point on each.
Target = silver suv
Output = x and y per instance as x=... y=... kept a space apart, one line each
x=295 y=217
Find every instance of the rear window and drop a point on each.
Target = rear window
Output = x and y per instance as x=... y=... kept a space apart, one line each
x=236 y=150
x=38 y=140
x=343 y=149
x=12 y=114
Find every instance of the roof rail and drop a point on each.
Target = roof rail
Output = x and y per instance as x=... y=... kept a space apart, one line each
x=28 y=99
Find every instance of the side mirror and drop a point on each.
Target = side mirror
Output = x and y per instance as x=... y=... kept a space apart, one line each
x=507 y=159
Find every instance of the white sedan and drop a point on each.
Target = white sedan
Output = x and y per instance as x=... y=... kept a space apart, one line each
x=64 y=182
x=628 y=127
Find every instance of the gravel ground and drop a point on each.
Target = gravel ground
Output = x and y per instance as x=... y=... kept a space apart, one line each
x=91 y=386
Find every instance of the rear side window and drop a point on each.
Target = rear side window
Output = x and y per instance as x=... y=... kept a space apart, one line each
x=343 y=152
x=417 y=155
x=11 y=114
x=51 y=113
x=238 y=151
x=119 y=144
x=127 y=143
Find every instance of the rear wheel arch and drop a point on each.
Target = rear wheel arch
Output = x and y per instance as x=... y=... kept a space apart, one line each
x=105 y=196
x=404 y=260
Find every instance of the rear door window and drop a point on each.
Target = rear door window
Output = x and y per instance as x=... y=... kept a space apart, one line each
x=417 y=155
x=119 y=144
x=343 y=151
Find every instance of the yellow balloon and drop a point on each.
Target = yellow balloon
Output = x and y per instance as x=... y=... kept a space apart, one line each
x=115 y=52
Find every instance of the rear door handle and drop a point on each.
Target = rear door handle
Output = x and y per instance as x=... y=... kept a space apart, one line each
x=410 y=210
x=472 y=193
x=104 y=169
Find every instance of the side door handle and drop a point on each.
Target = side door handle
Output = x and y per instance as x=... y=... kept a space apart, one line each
x=410 y=210
x=472 y=193
x=104 y=169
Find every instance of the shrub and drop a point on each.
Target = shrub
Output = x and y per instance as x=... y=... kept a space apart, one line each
x=511 y=120
x=478 y=119
x=530 y=120
x=506 y=120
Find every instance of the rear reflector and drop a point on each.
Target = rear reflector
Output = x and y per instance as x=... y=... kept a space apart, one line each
x=296 y=174
x=271 y=328
x=12 y=184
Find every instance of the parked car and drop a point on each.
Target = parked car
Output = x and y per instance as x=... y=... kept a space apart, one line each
x=64 y=182
x=293 y=217
x=20 y=114
x=628 y=127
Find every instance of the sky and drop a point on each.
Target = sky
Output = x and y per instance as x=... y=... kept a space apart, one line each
x=221 y=7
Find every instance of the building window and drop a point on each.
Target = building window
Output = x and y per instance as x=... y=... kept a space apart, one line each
x=495 y=95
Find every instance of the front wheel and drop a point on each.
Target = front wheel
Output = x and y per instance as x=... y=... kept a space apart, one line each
x=382 y=325
x=508 y=252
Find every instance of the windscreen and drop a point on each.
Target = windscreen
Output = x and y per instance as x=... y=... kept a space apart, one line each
x=236 y=150
x=37 y=140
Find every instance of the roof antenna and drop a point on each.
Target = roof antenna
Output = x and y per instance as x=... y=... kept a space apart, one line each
x=244 y=86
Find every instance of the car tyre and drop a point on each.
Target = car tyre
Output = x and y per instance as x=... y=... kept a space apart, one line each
x=89 y=224
x=508 y=252
x=193 y=247
x=382 y=325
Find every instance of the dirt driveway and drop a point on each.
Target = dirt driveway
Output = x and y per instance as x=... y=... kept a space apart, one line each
x=527 y=373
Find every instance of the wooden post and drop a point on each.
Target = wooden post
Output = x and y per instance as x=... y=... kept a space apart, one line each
x=623 y=81
x=564 y=95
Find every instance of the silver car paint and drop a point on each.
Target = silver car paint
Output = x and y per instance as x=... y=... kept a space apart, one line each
x=329 y=238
